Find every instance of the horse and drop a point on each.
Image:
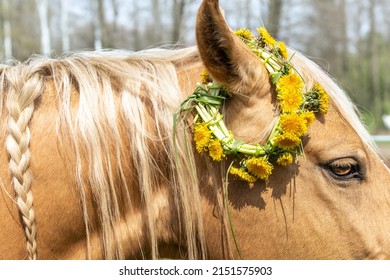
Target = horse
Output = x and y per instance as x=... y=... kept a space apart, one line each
x=94 y=167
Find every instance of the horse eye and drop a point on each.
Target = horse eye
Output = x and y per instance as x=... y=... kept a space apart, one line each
x=341 y=170
x=345 y=169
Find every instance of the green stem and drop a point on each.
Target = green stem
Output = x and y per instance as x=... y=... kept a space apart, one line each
x=221 y=132
x=228 y=210
x=208 y=118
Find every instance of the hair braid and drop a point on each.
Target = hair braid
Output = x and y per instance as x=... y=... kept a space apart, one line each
x=23 y=92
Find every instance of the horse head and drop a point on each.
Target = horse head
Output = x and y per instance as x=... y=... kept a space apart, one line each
x=333 y=202
x=94 y=167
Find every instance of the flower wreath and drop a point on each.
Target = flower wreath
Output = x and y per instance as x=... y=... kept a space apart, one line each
x=297 y=112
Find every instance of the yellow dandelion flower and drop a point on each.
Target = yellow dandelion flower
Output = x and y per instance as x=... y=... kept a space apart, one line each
x=242 y=174
x=260 y=167
x=202 y=136
x=205 y=78
x=324 y=104
x=293 y=124
x=244 y=33
x=216 y=150
x=291 y=82
x=287 y=141
x=283 y=49
x=309 y=117
x=267 y=38
x=324 y=98
x=290 y=101
x=285 y=159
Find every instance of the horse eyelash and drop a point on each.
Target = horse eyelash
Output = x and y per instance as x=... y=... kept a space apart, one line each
x=356 y=173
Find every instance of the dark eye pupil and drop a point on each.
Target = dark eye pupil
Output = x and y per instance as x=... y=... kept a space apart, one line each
x=342 y=170
x=345 y=169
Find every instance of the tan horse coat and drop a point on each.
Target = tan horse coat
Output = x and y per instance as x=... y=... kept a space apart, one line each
x=90 y=167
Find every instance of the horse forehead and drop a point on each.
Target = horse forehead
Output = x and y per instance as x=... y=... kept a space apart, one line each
x=334 y=135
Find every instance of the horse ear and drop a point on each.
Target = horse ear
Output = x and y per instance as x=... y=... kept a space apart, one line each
x=227 y=59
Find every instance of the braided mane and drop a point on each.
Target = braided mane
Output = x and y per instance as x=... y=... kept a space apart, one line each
x=20 y=105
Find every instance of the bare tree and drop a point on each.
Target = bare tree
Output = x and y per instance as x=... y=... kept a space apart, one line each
x=374 y=80
x=115 y=9
x=44 y=24
x=274 y=16
x=135 y=32
x=64 y=26
x=343 y=36
x=156 y=13
x=98 y=22
x=7 y=30
x=112 y=36
x=178 y=8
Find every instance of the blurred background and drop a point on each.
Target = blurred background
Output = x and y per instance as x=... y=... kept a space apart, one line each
x=349 y=38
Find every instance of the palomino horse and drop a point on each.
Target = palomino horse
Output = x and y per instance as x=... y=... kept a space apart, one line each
x=90 y=167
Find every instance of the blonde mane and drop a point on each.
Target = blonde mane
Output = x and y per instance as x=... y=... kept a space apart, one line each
x=124 y=117
x=126 y=102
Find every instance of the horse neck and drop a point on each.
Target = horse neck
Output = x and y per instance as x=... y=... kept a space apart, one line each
x=167 y=184
x=118 y=147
